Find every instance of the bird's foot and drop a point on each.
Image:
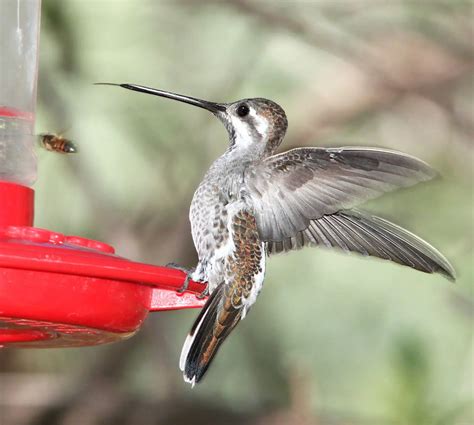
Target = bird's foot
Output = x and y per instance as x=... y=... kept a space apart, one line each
x=188 y=272
x=180 y=267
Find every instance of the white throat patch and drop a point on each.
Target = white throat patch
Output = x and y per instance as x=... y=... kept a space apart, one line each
x=243 y=135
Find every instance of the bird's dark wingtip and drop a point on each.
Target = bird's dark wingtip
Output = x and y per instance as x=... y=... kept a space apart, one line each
x=450 y=274
x=445 y=268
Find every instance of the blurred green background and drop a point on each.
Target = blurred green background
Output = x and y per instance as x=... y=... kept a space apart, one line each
x=333 y=339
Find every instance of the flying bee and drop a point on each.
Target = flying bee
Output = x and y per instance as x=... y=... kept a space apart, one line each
x=56 y=143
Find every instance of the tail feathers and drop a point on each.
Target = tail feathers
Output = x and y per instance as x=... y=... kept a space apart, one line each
x=215 y=321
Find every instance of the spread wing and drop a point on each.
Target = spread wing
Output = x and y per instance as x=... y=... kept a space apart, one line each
x=354 y=231
x=301 y=199
x=290 y=189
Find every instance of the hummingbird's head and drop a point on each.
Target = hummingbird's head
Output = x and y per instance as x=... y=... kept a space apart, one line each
x=256 y=125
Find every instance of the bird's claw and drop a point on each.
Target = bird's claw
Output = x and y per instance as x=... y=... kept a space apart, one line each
x=185 y=285
x=188 y=272
x=179 y=267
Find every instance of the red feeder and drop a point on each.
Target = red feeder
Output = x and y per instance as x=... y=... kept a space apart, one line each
x=57 y=290
x=64 y=291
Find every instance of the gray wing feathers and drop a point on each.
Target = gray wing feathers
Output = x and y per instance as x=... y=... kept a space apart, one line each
x=353 y=231
x=299 y=198
x=290 y=189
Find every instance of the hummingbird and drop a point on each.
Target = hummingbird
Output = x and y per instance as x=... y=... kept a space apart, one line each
x=254 y=202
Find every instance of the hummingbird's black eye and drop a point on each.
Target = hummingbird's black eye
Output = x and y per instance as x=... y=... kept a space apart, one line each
x=243 y=110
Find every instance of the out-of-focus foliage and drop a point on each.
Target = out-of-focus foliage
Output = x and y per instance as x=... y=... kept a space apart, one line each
x=333 y=339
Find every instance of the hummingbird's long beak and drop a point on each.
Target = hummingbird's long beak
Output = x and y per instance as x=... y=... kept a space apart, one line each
x=210 y=106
